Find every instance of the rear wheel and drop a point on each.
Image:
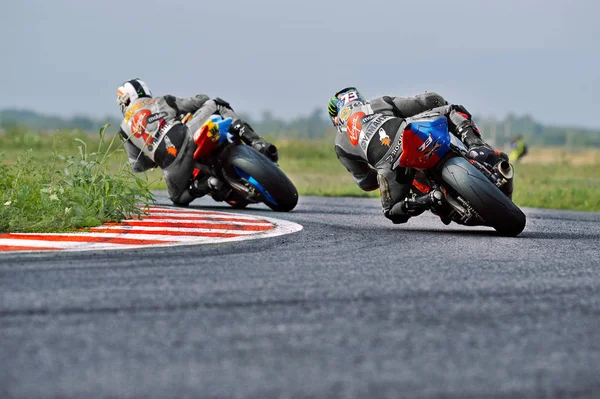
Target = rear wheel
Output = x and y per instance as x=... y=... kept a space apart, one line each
x=277 y=190
x=494 y=207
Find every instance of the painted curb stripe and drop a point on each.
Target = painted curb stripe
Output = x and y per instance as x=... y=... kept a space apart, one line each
x=175 y=230
x=71 y=245
x=156 y=223
x=24 y=248
x=160 y=227
x=187 y=210
x=199 y=221
x=155 y=216
x=80 y=237
x=169 y=233
x=133 y=238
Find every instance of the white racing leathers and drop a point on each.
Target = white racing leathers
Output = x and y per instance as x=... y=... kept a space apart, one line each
x=368 y=143
x=154 y=137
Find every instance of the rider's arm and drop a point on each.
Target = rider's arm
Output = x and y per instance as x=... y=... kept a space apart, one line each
x=184 y=106
x=405 y=107
x=364 y=175
x=137 y=160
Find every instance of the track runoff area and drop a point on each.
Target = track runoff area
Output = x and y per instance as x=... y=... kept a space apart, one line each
x=162 y=226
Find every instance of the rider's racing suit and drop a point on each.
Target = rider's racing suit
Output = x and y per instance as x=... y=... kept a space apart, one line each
x=154 y=136
x=368 y=144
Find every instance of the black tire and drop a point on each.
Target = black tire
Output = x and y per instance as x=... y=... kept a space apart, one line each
x=488 y=201
x=272 y=179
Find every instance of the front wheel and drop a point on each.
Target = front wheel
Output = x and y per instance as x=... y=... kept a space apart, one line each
x=491 y=204
x=276 y=189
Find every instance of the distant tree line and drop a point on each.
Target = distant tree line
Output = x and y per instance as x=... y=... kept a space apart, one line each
x=535 y=133
x=34 y=120
x=316 y=125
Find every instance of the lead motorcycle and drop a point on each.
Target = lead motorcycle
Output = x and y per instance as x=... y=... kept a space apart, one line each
x=249 y=176
x=473 y=194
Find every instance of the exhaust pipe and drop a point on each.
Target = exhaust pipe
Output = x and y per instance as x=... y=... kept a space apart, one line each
x=508 y=172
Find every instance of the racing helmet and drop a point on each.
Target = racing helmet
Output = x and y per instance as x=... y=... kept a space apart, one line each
x=342 y=98
x=131 y=91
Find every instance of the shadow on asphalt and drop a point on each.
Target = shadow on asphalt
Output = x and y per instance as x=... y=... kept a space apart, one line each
x=560 y=235
x=462 y=232
x=525 y=234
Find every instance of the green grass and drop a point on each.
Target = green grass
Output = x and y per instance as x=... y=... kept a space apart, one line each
x=552 y=180
x=315 y=169
x=73 y=180
x=558 y=186
x=43 y=191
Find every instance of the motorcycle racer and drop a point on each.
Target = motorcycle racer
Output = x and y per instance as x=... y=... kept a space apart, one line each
x=368 y=144
x=154 y=136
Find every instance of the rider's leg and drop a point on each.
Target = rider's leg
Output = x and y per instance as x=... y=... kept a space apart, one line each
x=178 y=173
x=250 y=137
x=397 y=202
x=238 y=127
x=462 y=125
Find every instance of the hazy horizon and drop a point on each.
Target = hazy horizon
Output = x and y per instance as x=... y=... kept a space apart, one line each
x=538 y=58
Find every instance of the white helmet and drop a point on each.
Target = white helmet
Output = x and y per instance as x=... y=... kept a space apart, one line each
x=131 y=91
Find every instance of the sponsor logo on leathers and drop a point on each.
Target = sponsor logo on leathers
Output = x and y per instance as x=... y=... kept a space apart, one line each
x=373 y=123
x=171 y=150
x=384 y=139
x=139 y=122
x=368 y=118
x=156 y=117
x=132 y=109
x=395 y=150
x=345 y=113
x=354 y=127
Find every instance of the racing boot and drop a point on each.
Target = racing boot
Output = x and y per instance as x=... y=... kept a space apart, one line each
x=198 y=188
x=464 y=128
x=433 y=200
x=245 y=132
x=418 y=203
x=218 y=190
x=415 y=205
x=478 y=149
x=486 y=155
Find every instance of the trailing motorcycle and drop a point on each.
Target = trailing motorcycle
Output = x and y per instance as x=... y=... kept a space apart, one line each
x=473 y=193
x=249 y=176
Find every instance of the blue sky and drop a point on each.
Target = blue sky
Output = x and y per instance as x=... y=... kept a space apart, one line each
x=67 y=57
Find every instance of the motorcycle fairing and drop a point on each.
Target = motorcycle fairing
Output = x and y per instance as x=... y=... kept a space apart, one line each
x=424 y=143
x=210 y=136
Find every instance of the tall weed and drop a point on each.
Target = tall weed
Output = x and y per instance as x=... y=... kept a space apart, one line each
x=69 y=192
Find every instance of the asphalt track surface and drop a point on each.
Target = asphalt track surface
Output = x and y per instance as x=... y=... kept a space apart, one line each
x=351 y=306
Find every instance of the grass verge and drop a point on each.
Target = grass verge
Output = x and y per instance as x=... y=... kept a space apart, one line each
x=558 y=186
x=51 y=192
x=547 y=178
x=65 y=192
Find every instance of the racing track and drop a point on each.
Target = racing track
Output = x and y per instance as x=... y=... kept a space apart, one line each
x=350 y=306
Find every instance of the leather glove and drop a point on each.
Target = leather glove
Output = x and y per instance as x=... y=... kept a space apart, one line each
x=485 y=154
